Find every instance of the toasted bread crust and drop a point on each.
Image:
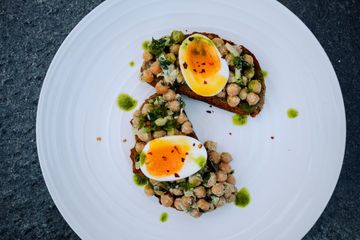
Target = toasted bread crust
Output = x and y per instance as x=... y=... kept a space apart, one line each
x=220 y=102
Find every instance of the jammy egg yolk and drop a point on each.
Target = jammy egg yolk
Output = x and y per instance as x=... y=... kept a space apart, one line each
x=165 y=158
x=202 y=67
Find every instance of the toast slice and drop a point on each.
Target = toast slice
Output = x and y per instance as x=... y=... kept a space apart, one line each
x=251 y=81
x=202 y=192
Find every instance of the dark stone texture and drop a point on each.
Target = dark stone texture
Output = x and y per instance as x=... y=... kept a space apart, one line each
x=31 y=31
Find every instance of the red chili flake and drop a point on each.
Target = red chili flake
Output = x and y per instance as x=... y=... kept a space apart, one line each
x=163 y=157
x=124 y=140
x=203 y=64
x=202 y=71
x=200 y=145
x=205 y=82
x=191 y=38
x=211 y=63
x=185 y=65
x=98 y=139
x=176 y=175
x=183 y=159
x=208 y=111
x=272 y=137
x=167 y=171
x=177 y=149
x=194 y=70
x=172 y=151
x=150 y=153
x=186 y=153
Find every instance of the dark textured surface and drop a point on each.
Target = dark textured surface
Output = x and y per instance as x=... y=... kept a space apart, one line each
x=31 y=32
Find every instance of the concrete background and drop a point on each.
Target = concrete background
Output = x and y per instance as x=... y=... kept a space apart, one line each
x=31 y=31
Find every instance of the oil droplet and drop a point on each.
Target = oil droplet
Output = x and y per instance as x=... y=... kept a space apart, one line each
x=164 y=217
x=292 y=113
x=239 y=120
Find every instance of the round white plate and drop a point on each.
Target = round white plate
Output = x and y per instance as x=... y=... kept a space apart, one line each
x=290 y=177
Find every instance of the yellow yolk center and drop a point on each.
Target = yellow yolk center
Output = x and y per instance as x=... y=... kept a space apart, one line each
x=165 y=158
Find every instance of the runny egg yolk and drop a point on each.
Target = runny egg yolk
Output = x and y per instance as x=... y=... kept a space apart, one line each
x=202 y=67
x=165 y=158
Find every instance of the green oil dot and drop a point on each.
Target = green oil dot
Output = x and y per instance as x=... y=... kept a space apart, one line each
x=132 y=63
x=239 y=120
x=125 y=102
x=164 y=217
x=145 y=45
x=292 y=113
x=140 y=180
x=265 y=73
x=242 y=198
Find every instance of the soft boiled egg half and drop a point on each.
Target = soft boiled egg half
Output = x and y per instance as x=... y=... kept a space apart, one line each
x=172 y=158
x=204 y=71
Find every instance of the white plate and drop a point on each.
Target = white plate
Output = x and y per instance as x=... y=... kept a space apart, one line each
x=291 y=178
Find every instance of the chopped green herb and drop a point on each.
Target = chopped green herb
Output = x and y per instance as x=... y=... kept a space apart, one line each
x=140 y=180
x=157 y=47
x=164 y=217
x=265 y=73
x=177 y=36
x=292 y=113
x=142 y=158
x=239 y=120
x=240 y=63
x=200 y=161
x=125 y=102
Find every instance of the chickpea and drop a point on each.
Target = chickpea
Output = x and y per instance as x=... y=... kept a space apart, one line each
x=212 y=180
x=218 y=41
x=221 y=94
x=139 y=147
x=225 y=167
x=146 y=108
x=143 y=136
x=147 y=56
x=195 y=213
x=182 y=118
x=178 y=204
x=233 y=101
x=208 y=192
x=252 y=99
x=155 y=67
x=238 y=48
x=225 y=157
x=222 y=49
x=230 y=59
x=137 y=113
x=175 y=49
x=161 y=88
x=221 y=176
x=231 y=179
x=229 y=188
x=214 y=157
x=166 y=200
x=174 y=106
x=135 y=122
x=254 y=86
x=218 y=189
x=231 y=78
x=148 y=190
x=203 y=204
x=249 y=59
x=200 y=192
x=147 y=76
x=233 y=89
x=176 y=191
x=159 y=134
x=210 y=145
x=187 y=201
x=230 y=198
x=186 y=128
x=169 y=95
x=221 y=202
x=195 y=180
x=243 y=93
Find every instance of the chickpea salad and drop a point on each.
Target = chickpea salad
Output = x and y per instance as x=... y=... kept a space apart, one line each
x=198 y=184
x=206 y=67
